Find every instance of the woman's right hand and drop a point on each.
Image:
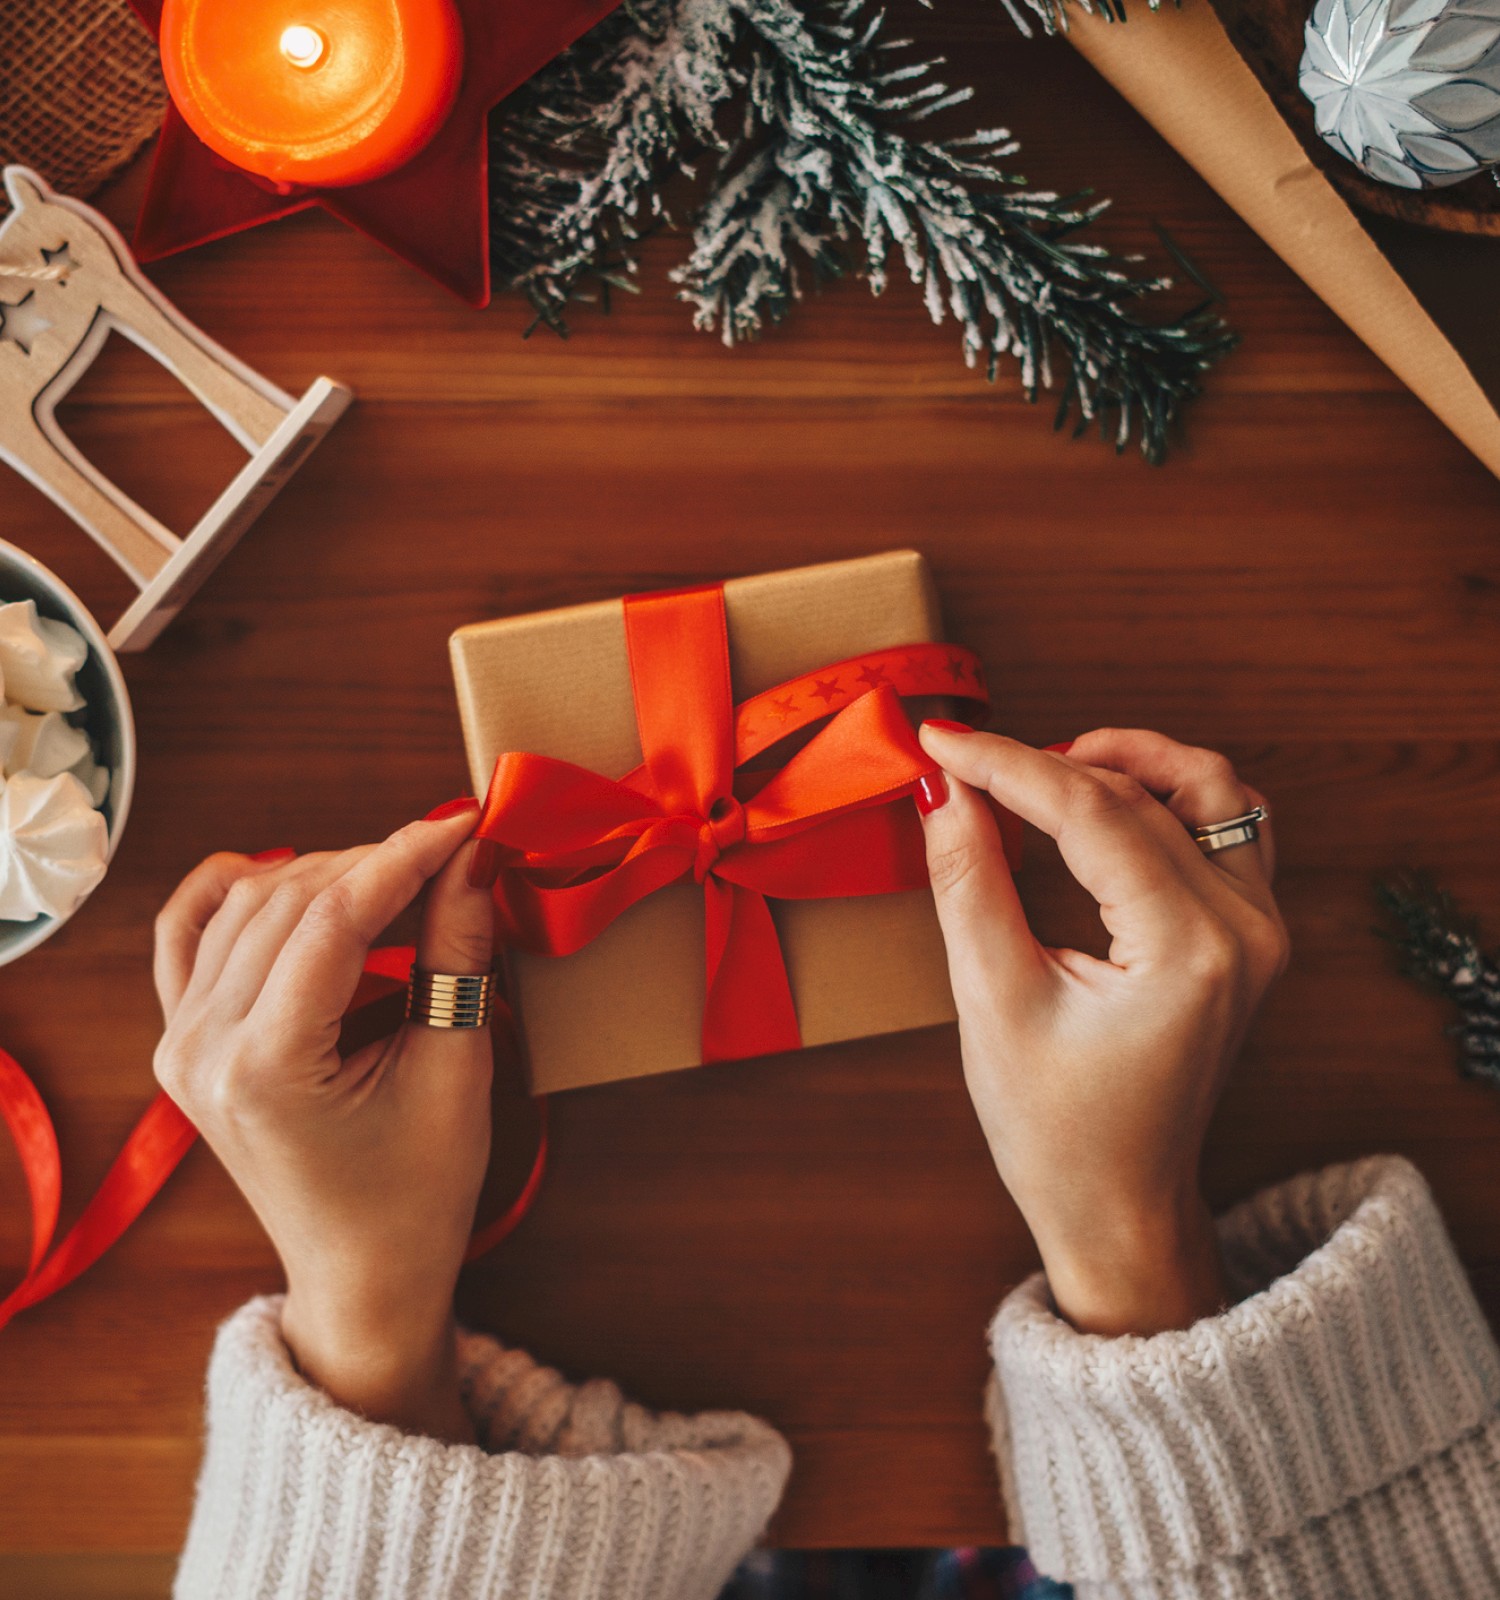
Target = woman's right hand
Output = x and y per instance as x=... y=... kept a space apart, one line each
x=364 y=1168
x=1094 y=1080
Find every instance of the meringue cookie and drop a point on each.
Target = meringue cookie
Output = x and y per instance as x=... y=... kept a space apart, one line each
x=38 y=658
x=45 y=743
x=93 y=777
x=53 y=846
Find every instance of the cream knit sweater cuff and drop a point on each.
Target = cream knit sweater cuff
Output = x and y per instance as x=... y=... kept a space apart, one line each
x=1359 y=1356
x=576 y=1493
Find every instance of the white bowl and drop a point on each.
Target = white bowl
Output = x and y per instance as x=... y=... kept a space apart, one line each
x=106 y=715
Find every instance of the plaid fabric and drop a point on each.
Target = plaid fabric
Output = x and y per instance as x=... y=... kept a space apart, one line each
x=891 y=1575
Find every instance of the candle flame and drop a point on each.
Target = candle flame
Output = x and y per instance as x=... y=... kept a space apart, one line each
x=303 y=46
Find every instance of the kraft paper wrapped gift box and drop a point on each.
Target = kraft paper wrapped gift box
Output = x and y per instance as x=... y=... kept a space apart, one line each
x=631 y=1002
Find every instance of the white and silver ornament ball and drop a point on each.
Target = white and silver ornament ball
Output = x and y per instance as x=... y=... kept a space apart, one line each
x=1408 y=90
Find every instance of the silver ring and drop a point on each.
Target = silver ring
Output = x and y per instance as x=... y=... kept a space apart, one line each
x=1245 y=829
x=450 y=999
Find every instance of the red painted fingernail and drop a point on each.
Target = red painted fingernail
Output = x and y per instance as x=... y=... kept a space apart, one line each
x=947 y=727
x=484 y=864
x=453 y=808
x=1063 y=748
x=931 y=792
x=281 y=854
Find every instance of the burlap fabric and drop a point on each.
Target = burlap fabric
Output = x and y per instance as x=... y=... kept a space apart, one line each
x=80 y=89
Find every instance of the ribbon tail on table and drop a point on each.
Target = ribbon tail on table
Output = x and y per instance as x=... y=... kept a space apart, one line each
x=152 y=1152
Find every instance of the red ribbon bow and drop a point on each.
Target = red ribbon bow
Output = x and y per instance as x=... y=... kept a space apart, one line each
x=577 y=849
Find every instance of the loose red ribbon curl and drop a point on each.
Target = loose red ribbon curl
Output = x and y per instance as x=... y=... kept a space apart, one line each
x=575 y=849
x=152 y=1152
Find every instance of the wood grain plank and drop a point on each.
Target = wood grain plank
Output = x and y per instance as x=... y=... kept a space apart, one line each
x=107 y=1577
x=94 y=1469
x=1312 y=584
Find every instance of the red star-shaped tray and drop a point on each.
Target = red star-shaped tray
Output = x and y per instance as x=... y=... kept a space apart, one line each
x=433 y=212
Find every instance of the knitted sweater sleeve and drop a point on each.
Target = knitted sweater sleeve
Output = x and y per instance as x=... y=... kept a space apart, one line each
x=1333 y=1436
x=573 y=1494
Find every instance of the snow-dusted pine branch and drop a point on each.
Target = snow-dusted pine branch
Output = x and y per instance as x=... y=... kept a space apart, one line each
x=813 y=126
x=1053 y=14
x=579 y=158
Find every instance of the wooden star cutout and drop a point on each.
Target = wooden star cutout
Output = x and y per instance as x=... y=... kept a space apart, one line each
x=59 y=263
x=433 y=212
x=22 y=323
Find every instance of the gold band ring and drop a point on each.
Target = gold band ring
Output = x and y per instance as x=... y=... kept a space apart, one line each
x=450 y=1000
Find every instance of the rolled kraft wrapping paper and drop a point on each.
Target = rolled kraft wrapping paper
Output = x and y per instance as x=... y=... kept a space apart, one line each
x=631 y=1002
x=1180 y=69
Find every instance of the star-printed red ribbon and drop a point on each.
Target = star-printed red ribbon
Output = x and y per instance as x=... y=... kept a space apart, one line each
x=576 y=849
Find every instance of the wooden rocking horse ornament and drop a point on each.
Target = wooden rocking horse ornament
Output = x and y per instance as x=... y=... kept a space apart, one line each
x=67 y=279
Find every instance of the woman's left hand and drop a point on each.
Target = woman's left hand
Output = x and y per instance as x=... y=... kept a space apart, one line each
x=1094 y=1080
x=364 y=1169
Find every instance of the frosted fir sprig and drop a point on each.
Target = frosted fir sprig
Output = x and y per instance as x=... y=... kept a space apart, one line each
x=580 y=157
x=832 y=155
x=1053 y=14
x=810 y=125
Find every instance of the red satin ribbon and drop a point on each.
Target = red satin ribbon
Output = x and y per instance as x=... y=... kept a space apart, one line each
x=576 y=849
x=156 y=1145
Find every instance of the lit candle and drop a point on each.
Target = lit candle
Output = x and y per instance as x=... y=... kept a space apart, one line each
x=316 y=93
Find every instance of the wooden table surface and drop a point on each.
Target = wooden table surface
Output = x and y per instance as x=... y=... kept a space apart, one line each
x=1312 y=584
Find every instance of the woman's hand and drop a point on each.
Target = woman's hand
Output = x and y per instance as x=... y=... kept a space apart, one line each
x=364 y=1170
x=1095 y=1080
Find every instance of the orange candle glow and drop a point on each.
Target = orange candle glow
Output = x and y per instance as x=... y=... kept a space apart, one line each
x=313 y=92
